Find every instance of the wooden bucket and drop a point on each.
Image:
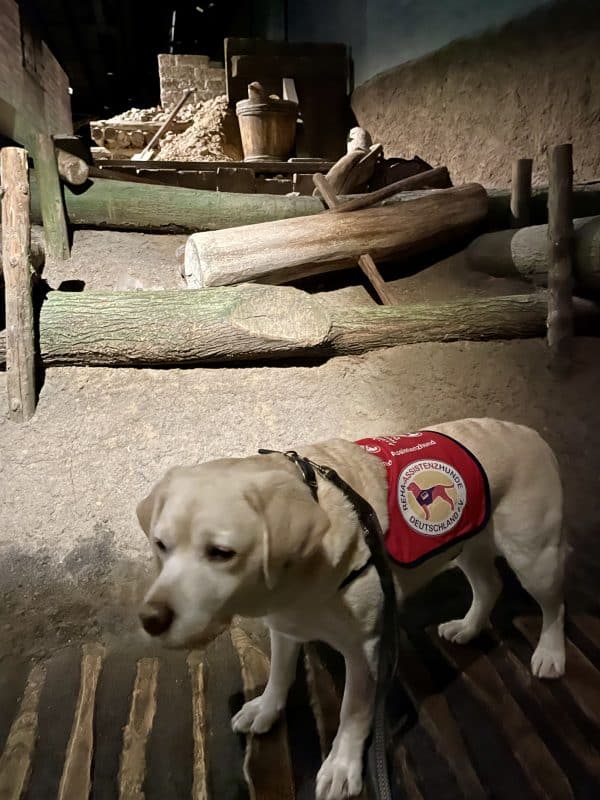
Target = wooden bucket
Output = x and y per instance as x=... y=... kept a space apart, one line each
x=267 y=126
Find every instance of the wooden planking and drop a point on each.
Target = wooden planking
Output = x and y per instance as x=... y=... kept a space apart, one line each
x=544 y=776
x=135 y=736
x=34 y=92
x=580 y=678
x=17 y=757
x=325 y=701
x=267 y=765
x=439 y=722
x=76 y=780
x=200 y=729
x=406 y=774
x=17 y=270
x=557 y=719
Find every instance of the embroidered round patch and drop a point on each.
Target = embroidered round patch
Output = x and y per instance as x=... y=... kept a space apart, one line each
x=431 y=497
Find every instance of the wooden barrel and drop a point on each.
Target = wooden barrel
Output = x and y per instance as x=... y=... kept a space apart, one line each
x=267 y=127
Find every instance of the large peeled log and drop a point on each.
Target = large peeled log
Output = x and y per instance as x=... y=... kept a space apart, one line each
x=277 y=252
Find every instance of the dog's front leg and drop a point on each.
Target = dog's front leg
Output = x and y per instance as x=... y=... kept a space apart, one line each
x=340 y=775
x=258 y=715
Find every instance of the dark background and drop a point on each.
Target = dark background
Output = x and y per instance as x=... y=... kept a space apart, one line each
x=108 y=48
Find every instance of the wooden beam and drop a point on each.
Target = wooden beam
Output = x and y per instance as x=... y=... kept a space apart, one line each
x=365 y=261
x=127 y=205
x=520 y=192
x=51 y=201
x=560 y=243
x=16 y=261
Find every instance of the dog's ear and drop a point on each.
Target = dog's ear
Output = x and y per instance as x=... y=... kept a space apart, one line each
x=293 y=523
x=149 y=508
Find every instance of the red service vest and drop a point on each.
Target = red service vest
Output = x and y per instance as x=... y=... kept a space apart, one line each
x=438 y=493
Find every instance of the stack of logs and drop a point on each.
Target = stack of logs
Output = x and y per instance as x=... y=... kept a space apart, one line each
x=248 y=321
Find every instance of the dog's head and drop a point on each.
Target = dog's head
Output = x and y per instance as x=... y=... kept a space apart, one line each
x=226 y=536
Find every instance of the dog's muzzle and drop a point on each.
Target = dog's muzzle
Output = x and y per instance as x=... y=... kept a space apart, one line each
x=156 y=618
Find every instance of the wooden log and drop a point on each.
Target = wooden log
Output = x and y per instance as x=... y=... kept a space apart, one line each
x=71 y=169
x=520 y=192
x=524 y=253
x=37 y=251
x=20 y=335
x=128 y=205
x=51 y=208
x=365 y=261
x=246 y=322
x=437 y=178
x=560 y=249
x=276 y=252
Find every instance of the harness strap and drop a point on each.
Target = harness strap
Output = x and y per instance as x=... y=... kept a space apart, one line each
x=356 y=573
x=389 y=635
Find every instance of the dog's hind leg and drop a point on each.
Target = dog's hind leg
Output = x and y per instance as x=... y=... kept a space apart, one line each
x=477 y=562
x=542 y=577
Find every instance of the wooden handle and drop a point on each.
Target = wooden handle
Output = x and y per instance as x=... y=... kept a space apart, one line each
x=168 y=121
x=365 y=261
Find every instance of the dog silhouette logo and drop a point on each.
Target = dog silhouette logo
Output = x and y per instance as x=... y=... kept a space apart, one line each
x=431 y=497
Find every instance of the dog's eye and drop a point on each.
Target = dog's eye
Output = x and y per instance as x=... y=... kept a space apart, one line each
x=217 y=553
x=160 y=545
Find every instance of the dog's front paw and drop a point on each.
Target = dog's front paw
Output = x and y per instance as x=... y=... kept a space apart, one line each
x=546 y=663
x=457 y=630
x=339 y=778
x=255 y=716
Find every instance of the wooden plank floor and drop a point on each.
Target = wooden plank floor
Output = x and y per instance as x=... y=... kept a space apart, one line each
x=104 y=723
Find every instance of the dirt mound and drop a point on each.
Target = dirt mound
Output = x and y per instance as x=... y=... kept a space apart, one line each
x=212 y=136
x=154 y=114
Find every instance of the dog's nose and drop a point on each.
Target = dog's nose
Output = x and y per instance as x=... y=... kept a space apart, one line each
x=156 y=618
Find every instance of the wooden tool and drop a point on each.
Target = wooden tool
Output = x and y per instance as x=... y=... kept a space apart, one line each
x=148 y=151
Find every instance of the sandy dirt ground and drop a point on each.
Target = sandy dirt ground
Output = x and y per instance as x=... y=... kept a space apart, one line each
x=73 y=561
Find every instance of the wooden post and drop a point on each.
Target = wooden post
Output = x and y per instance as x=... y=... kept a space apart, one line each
x=520 y=193
x=20 y=340
x=560 y=262
x=51 y=202
x=365 y=261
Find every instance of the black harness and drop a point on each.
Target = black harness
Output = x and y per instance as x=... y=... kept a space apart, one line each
x=377 y=767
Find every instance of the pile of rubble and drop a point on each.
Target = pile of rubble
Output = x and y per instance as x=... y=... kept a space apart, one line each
x=153 y=114
x=205 y=131
x=212 y=136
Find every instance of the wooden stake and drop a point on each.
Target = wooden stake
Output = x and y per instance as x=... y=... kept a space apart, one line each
x=365 y=261
x=520 y=193
x=51 y=202
x=20 y=341
x=560 y=262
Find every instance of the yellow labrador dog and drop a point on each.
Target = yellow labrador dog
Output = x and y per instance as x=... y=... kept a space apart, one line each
x=245 y=536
